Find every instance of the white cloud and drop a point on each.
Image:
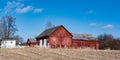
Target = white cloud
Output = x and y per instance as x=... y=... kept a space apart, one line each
x=11 y=6
x=8 y=7
x=92 y=24
x=38 y=10
x=18 y=7
x=108 y=26
x=24 y=10
x=91 y=12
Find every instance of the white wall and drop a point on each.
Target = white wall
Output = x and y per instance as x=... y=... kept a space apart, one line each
x=43 y=44
x=8 y=43
x=40 y=43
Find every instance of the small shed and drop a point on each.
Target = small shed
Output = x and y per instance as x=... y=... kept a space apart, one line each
x=8 y=43
x=31 y=42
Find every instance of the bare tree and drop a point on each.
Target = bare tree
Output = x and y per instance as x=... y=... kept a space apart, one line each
x=7 y=27
x=19 y=39
x=49 y=25
x=108 y=41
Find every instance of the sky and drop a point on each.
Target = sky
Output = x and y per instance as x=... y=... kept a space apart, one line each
x=77 y=16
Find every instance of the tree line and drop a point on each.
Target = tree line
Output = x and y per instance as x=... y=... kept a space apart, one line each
x=107 y=41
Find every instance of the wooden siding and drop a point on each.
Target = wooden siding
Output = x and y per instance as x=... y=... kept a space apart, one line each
x=93 y=44
x=60 y=38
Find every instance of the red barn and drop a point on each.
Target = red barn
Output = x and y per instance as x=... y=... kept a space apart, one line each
x=59 y=36
x=55 y=37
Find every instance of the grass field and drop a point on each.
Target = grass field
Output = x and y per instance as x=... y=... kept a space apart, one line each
x=58 y=54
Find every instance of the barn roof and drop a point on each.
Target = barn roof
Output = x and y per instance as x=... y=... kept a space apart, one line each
x=32 y=40
x=83 y=36
x=47 y=32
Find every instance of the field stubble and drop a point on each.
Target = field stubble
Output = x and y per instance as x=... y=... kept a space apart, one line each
x=58 y=54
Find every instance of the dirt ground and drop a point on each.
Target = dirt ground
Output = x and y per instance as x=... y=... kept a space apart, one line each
x=58 y=54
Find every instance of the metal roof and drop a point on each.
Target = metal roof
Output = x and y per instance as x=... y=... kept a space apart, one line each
x=83 y=36
x=32 y=40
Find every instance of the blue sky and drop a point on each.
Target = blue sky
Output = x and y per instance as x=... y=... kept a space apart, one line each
x=78 y=16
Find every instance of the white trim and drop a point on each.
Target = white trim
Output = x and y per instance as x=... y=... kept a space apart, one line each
x=45 y=43
x=40 y=43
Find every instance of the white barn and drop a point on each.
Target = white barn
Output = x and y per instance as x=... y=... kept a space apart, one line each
x=8 y=43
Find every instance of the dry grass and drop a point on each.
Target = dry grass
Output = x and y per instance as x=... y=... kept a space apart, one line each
x=58 y=54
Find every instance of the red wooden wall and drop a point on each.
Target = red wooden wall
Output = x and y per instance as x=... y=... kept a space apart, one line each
x=60 y=38
x=85 y=44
